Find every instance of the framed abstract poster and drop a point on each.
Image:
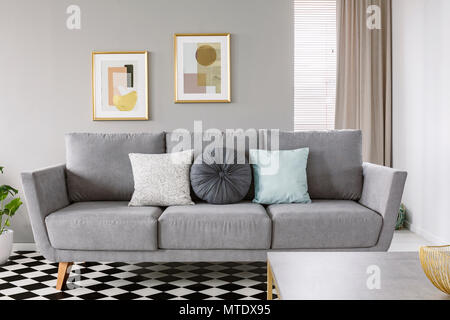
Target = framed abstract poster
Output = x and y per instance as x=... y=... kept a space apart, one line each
x=202 y=68
x=120 y=85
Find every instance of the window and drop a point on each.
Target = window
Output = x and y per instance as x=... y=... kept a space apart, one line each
x=315 y=64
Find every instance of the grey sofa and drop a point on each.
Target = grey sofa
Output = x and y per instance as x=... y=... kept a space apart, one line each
x=79 y=210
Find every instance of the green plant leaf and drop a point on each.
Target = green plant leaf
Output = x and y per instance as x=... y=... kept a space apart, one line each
x=9 y=189
x=7 y=223
x=1 y=169
x=13 y=206
x=3 y=195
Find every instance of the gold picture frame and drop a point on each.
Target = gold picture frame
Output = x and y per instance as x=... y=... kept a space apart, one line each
x=226 y=98
x=143 y=113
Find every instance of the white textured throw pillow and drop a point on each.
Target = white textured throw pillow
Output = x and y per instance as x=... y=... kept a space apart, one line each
x=161 y=179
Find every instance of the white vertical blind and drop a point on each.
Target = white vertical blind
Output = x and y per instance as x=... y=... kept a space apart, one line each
x=315 y=64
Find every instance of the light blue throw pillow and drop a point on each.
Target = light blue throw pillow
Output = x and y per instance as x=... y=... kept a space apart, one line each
x=280 y=176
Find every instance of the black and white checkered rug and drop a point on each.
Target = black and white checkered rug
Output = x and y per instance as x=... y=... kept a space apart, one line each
x=27 y=275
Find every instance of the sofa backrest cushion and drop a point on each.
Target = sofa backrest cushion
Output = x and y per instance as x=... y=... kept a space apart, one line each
x=98 y=166
x=182 y=141
x=334 y=164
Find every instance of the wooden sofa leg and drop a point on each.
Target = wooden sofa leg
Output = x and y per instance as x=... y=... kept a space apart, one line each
x=63 y=274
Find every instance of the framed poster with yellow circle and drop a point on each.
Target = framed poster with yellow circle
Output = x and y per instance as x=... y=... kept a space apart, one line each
x=202 y=67
x=120 y=85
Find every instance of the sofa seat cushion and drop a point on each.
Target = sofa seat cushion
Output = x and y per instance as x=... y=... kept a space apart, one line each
x=104 y=226
x=209 y=226
x=324 y=224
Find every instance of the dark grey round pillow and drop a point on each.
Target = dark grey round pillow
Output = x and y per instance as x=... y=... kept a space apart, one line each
x=221 y=183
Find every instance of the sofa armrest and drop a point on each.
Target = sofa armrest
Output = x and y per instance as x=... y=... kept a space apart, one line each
x=45 y=192
x=382 y=192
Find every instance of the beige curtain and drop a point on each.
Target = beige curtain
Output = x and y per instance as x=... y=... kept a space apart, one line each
x=364 y=81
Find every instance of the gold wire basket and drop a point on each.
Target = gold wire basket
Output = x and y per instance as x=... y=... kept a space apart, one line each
x=436 y=265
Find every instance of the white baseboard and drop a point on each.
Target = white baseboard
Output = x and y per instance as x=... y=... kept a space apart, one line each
x=426 y=235
x=24 y=247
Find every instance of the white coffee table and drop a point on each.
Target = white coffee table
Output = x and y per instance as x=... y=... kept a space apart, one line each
x=349 y=276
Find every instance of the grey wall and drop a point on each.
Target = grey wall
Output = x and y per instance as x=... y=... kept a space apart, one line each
x=45 y=81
